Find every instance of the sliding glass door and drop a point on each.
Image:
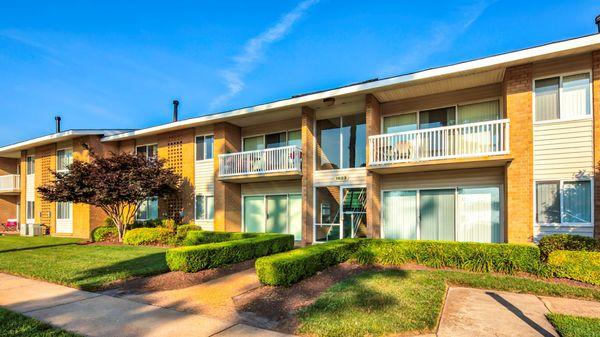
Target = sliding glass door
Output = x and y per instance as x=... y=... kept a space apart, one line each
x=453 y=214
x=273 y=214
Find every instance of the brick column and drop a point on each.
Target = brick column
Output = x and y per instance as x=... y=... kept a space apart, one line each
x=596 y=114
x=373 y=204
x=308 y=160
x=23 y=185
x=8 y=203
x=228 y=196
x=517 y=88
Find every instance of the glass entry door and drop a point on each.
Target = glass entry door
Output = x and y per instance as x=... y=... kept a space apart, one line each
x=354 y=214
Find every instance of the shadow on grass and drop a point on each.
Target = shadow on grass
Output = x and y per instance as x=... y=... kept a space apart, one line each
x=36 y=247
x=104 y=277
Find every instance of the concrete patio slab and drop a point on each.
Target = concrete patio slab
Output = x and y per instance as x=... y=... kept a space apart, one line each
x=213 y=298
x=569 y=306
x=246 y=330
x=476 y=312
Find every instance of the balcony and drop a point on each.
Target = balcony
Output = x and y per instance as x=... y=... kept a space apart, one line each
x=458 y=146
x=10 y=184
x=270 y=164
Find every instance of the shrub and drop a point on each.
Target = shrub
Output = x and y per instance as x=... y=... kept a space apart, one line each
x=104 y=233
x=580 y=266
x=550 y=243
x=477 y=257
x=148 y=236
x=211 y=255
x=183 y=230
x=194 y=238
x=290 y=267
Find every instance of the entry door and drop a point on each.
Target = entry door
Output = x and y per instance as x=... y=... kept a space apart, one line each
x=478 y=214
x=295 y=216
x=64 y=217
x=437 y=214
x=254 y=214
x=400 y=215
x=354 y=215
x=277 y=215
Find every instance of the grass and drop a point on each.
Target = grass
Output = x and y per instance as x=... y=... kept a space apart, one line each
x=571 y=326
x=88 y=267
x=17 y=325
x=377 y=303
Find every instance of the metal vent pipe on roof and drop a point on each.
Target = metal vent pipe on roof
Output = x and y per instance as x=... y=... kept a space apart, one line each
x=598 y=23
x=175 y=110
x=57 y=120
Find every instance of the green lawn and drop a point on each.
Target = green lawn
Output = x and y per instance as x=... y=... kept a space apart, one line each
x=378 y=303
x=13 y=324
x=571 y=326
x=87 y=267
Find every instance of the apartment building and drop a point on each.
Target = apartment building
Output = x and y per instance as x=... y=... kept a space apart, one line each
x=27 y=165
x=498 y=149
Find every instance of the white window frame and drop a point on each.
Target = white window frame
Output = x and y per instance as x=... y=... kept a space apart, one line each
x=204 y=145
x=560 y=195
x=27 y=218
x=70 y=216
x=147 y=146
x=30 y=165
x=204 y=204
x=456 y=106
x=64 y=149
x=560 y=91
x=451 y=187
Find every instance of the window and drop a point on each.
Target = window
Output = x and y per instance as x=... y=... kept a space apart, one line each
x=562 y=97
x=273 y=140
x=273 y=214
x=148 y=151
x=294 y=138
x=204 y=147
x=64 y=158
x=205 y=207
x=563 y=202
x=148 y=210
x=30 y=165
x=63 y=210
x=30 y=210
x=342 y=142
x=435 y=118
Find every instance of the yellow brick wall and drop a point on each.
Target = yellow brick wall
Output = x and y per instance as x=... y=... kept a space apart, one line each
x=373 y=203
x=308 y=155
x=228 y=203
x=517 y=88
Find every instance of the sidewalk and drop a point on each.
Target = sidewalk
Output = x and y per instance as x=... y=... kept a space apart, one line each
x=94 y=314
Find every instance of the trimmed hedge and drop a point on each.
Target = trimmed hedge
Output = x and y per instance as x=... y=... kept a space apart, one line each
x=194 y=238
x=288 y=268
x=104 y=233
x=211 y=255
x=550 y=243
x=580 y=266
x=183 y=230
x=148 y=236
x=477 y=257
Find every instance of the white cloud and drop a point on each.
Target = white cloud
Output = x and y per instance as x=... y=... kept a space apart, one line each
x=253 y=52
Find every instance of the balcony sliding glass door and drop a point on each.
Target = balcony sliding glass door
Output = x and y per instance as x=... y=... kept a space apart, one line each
x=273 y=214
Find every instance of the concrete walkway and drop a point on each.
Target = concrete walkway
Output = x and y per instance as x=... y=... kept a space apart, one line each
x=94 y=314
x=477 y=312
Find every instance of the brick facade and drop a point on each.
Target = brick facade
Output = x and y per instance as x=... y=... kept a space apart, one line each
x=308 y=155
x=228 y=196
x=517 y=90
x=373 y=203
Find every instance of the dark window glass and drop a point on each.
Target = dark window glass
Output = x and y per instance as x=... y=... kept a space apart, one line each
x=547 y=202
x=354 y=135
x=208 y=147
x=275 y=140
x=328 y=139
x=436 y=118
x=199 y=148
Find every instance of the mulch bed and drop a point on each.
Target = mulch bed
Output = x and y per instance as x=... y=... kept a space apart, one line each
x=274 y=307
x=173 y=280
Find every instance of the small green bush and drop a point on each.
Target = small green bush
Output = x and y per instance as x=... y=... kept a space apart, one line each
x=194 y=238
x=550 y=243
x=183 y=230
x=580 y=266
x=211 y=255
x=290 y=267
x=104 y=233
x=477 y=257
x=148 y=236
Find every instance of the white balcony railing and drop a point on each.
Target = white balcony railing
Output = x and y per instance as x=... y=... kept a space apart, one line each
x=457 y=141
x=275 y=160
x=9 y=183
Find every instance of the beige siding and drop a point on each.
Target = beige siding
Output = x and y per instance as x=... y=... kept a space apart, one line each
x=563 y=150
x=341 y=107
x=436 y=179
x=443 y=99
x=272 y=187
x=353 y=176
x=205 y=184
x=582 y=62
x=30 y=188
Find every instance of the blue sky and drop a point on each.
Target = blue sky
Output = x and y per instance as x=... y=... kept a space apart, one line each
x=113 y=65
